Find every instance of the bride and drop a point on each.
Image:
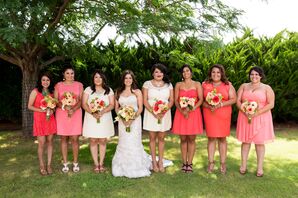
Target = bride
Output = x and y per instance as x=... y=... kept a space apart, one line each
x=130 y=159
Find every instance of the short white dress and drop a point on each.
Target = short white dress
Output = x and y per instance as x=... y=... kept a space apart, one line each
x=150 y=123
x=103 y=129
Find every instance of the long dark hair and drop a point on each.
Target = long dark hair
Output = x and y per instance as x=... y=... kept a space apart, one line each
x=259 y=70
x=134 y=85
x=66 y=67
x=39 y=85
x=182 y=68
x=223 y=77
x=163 y=70
x=104 y=82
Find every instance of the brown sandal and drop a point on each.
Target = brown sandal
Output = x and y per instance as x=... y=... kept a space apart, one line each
x=210 y=168
x=189 y=168
x=184 y=167
x=96 y=169
x=223 y=168
x=49 y=169
x=102 y=169
x=43 y=171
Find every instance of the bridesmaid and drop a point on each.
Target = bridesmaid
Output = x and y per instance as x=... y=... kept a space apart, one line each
x=98 y=126
x=43 y=129
x=218 y=118
x=260 y=130
x=158 y=88
x=69 y=119
x=188 y=122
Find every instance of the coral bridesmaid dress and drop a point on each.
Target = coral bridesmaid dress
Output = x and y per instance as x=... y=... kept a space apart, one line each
x=42 y=126
x=260 y=130
x=218 y=122
x=193 y=124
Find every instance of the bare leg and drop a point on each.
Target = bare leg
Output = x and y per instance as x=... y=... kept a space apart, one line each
x=102 y=150
x=64 y=148
x=161 y=145
x=191 y=148
x=245 y=147
x=94 y=150
x=222 y=147
x=50 y=153
x=183 y=147
x=260 y=150
x=41 y=143
x=75 y=148
x=211 y=150
x=152 y=137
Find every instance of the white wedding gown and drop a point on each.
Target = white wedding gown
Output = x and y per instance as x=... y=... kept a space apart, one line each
x=130 y=159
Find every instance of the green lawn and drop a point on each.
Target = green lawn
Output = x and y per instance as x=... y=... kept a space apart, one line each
x=19 y=172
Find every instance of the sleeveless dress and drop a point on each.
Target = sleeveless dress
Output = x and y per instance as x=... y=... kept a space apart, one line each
x=130 y=159
x=103 y=129
x=218 y=122
x=260 y=130
x=193 y=124
x=42 y=126
x=150 y=123
x=68 y=126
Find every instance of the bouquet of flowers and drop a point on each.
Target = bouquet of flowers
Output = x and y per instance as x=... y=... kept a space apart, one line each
x=187 y=102
x=96 y=105
x=126 y=113
x=69 y=99
x=159 y=107
x=48 y=103
x=249 y=108
x=213 y=98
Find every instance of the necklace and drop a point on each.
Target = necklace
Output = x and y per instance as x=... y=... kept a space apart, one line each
x=45 y=92
x=158 y=84
x=255 y=86
x=216 y=84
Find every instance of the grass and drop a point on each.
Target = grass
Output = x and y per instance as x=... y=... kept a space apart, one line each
x=19 y=172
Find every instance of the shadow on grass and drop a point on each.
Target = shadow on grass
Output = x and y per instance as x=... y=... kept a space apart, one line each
x=19 y=167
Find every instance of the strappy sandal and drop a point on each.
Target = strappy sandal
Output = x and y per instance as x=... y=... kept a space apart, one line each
x=259 y=174
x=96 y=169
x=43 y=171
x=155 y=168
x=223 y=168
x=102 y=169
x=49 y=169
x=242 y=171
x=161 y=168
x=75 y=167
x=210 y=168
x=189 y=168
x=184 y=167
x=65 y=168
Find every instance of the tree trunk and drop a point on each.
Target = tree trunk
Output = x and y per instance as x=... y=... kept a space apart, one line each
x=28 y=84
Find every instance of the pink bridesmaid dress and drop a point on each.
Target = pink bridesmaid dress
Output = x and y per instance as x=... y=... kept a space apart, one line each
x=193 y=125
x=68 y=126
x=260 y=130
x=42 y=126
x=218 y=122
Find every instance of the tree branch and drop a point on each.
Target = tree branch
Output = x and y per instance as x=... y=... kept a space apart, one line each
x=97 y=33
x=59 y=15
x=10 y=60
x=52 y=60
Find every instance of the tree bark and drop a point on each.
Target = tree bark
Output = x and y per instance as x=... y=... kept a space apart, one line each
x=28 y=84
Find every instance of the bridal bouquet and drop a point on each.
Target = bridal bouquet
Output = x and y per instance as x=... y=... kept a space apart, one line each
x=68 y=99
x=249 y=108
x=48 y=103
x=187 y=102
x=213 y=98
x=96 y=105
x=126 y=113
x=159 y=107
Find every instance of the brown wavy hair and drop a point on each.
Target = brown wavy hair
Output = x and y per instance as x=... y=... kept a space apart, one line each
x=223 y=77
x=134 y=85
